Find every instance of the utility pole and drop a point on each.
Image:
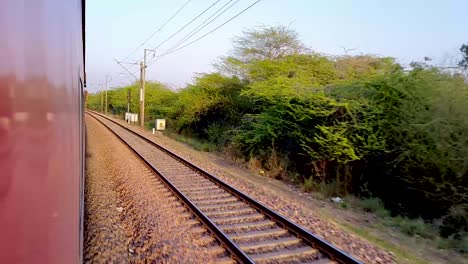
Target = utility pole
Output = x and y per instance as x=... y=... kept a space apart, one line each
x=129 y=96
x=142 y=89
x=129 y=90
x=102 y=100
x=142 y=95
x=106 y=95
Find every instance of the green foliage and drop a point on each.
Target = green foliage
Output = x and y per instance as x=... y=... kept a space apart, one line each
x=335 y=123
x=464 y=61
x=309 y=185
x=416 y=227
x=455 y=221
x=458 y=242
x=326 y=189
x=94 y=101
x=371 y=205
x=462 y=245
x=330 y=189
x=159 y=100
x=382 y=213
x=293 y=72
x=267 y=43
x=212 y=99
x=362 y=67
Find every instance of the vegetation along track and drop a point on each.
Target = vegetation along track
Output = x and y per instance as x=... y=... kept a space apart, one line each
x=251 y=232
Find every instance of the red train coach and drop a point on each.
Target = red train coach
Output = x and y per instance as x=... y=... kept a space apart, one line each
x=41 y=130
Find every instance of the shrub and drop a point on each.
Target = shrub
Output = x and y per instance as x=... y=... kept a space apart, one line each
x=458 y=242
x=382 y=212
x=371 y=205
x=462 y=246
x=326 y=189
x=416 y=227
x=455 y=221
x=309 y=185
x=217 y=134
x=330 y=189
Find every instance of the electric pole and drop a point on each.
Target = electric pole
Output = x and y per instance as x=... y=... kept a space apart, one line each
x=102 y=100
x=129 y=96
x=142 y=95
x=106 y=95
x=142 y=89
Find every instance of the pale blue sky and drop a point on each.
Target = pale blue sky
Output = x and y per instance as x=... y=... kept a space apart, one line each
x=407 y=30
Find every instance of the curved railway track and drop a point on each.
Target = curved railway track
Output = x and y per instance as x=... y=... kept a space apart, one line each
x=251 y=232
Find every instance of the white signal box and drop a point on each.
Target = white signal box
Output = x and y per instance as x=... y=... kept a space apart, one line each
x=160 y=124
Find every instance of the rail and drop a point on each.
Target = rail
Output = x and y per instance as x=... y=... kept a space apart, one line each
x=309 y=238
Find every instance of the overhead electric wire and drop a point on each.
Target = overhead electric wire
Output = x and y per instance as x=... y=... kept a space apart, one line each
x=182 y=28
x=208 y=33
x=186 y=25
x=153 y=34
x=158 y=30
x=203 y=24
x=197 y=29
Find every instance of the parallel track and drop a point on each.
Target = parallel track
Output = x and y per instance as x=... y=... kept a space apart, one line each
x=251 y=232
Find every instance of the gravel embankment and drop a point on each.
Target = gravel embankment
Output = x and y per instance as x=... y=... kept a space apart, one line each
x=277 y=198
x=131 y=217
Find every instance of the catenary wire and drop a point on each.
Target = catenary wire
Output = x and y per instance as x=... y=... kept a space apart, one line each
x=158 y=30
x=203 y=24
x=208 y=33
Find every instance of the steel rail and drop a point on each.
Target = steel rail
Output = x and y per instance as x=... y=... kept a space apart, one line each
x=328 y=249
x=232 y=247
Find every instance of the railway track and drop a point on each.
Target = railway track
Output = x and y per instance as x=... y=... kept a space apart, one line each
x=249 y=231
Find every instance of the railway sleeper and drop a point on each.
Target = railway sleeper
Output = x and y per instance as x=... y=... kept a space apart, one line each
x=271 y=245
x=248 y=226
x=188 y=183
x=297 y=255
x=199 y=230
x=217 y=251
x=237 y=212
x=181 y=209
x=219 y=201
x=222 y=207
x=208 y=197
x=192 y=222
x=182 y=173
x=197 y=188
x=255 y=236
x=226 y=260
x=238 y=219
x=205 y=192
x=186 y=216
x=207 y=241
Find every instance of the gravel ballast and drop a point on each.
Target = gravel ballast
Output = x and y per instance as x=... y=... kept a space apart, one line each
x=130 y=216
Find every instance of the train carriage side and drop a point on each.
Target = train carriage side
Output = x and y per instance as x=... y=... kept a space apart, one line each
x=41 y=132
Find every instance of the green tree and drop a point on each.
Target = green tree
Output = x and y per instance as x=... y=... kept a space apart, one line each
x=264 y=43
x=464 y=61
